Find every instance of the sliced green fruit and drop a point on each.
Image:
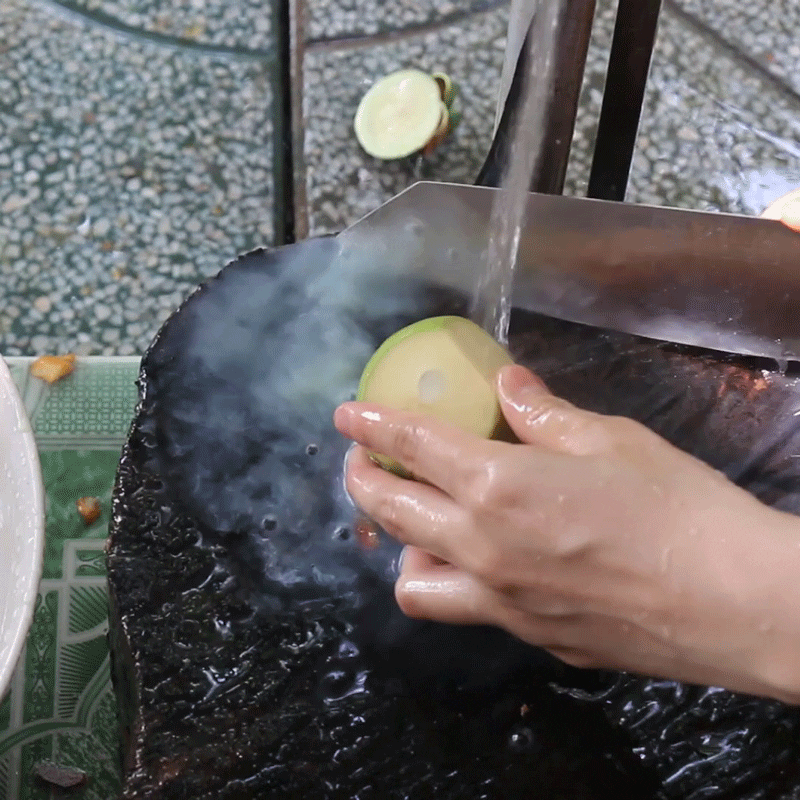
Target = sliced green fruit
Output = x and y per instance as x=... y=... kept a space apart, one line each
x=399 y=114
x=442 y=366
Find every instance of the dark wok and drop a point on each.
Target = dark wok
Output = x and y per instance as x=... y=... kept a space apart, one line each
x=256 y=649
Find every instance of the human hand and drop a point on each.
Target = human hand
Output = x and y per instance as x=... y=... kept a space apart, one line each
x=786 y=209
x=594 y=538
x=791 y=214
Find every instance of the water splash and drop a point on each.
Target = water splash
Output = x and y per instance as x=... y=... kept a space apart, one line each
x=492 y=298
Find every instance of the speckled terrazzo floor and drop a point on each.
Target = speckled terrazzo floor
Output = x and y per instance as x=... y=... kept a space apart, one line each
x=716 y=132
x=130 y=170
x=137 y=153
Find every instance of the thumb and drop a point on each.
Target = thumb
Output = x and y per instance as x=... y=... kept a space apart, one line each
x=791 y=215
x=540 y=418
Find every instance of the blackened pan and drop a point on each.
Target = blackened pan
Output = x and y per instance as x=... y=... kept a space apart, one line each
x=256 y=648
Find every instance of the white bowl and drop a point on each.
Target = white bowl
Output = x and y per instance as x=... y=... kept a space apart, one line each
x=21 y=525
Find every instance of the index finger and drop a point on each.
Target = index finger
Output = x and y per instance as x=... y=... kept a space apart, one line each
x=440 y=454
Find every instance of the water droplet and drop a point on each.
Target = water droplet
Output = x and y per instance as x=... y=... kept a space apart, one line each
x=312 y=450
x=223 y=628
x=339 y=684
x=270 y=523
x=336 y=680
x=342 y=533
x=521 y=740
x=347 y=649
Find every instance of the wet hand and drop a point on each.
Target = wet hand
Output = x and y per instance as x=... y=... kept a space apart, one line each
x=593 y=538
x=790 y=215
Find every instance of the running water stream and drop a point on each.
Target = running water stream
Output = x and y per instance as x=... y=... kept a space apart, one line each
x=491 y=307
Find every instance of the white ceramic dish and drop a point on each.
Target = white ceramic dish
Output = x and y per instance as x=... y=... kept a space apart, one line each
x=21 y=525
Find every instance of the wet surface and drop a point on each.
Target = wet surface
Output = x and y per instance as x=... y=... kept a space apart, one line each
x=290 y=670
x=136 y=151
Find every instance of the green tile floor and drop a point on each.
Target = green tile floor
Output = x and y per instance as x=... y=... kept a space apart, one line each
x=60 y=706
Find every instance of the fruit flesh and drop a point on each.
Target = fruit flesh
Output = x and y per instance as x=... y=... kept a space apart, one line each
x=399 y=114
x=444 y=367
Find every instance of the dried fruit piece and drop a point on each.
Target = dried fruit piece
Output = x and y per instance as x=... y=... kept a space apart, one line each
x=89 y=509
x=58 y=775
x=53 y=368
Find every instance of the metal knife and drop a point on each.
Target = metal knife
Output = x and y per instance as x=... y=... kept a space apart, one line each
x=713 y=280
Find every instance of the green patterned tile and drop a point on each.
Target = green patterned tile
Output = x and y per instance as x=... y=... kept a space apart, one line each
x=88 y=606
x=33 y=752
x=93 y=407
x=82 y=404
x=69 y=475
x=78 y=663
x=90 y=562
x=60 y=705
x=79 y=750
x=40 y=660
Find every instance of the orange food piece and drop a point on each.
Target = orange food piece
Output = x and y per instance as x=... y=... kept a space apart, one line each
x=367 y=533
x=89 y=509
x=53 y=368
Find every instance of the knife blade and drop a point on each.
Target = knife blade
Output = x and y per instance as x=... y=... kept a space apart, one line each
x=712 y=280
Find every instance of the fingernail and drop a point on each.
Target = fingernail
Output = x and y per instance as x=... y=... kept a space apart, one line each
x=401 y=559
x=516 y=381
x=342 y=418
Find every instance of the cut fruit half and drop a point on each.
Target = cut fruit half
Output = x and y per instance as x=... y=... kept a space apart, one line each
x=399 y=115
x=442 y=366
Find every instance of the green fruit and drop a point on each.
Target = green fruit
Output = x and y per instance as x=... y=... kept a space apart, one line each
x=445 y=367
x=399 y=115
